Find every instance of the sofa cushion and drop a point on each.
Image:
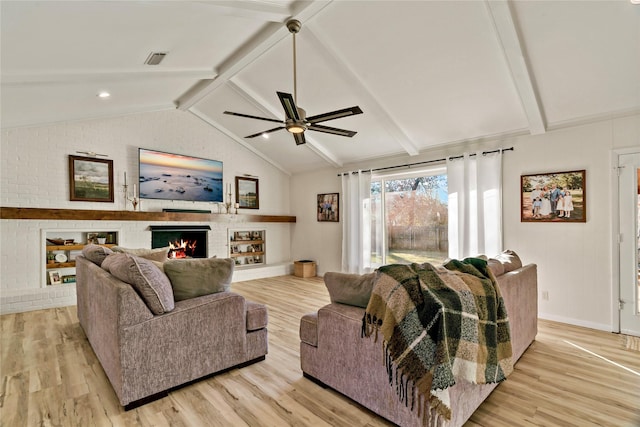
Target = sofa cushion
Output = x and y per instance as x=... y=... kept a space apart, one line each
x=194 y=277
x=96 y=253
x=309 y=329
x=257 y=317
x=158 y=254
x=350 y=289
x=152 y=284
x=509 y=260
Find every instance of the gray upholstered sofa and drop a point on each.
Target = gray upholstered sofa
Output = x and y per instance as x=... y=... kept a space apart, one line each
x=333 y=353
x=145 y=354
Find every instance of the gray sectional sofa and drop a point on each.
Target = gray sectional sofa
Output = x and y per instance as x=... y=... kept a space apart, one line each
x=333 y=353
x=145 y=354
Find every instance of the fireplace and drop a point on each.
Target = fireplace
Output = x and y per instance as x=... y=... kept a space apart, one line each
x=184 y=241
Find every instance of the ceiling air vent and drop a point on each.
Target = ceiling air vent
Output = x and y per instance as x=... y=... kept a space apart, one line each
x=155 y=58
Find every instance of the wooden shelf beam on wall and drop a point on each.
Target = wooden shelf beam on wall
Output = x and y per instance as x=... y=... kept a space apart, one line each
x=106 y=215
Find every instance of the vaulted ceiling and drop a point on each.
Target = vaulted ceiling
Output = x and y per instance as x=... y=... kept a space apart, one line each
x=425 y=73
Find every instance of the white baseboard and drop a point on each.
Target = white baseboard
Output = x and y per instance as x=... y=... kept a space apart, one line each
x=261 y=272
x=576 y=322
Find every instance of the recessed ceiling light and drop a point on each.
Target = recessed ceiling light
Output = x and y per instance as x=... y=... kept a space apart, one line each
x=265 y=135
x=104 y=94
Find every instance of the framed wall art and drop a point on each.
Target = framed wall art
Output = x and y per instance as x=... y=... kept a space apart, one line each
x=90 y=179
x=328 y=207
x=554 y=197
x=247 y=193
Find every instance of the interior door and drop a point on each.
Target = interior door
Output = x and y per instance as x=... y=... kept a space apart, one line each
x=629 y=273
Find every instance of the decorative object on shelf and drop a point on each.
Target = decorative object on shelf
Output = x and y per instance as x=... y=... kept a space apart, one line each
x=54 y=277
x=328 y=208
x=237 y=205
x=247 y=193
x=554 y=197
x=51 y=258
x=57 y=241
x=227 y=203
x=69 y=278
x=102 y=238
x=131 y=198
x=61 y=258
x=90 y=179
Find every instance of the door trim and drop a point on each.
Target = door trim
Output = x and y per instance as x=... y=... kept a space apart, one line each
x=615 y=232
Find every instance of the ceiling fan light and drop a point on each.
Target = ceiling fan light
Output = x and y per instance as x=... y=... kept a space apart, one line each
x=295 y=128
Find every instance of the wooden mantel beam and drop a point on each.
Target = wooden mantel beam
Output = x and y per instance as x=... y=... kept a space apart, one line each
x=108 y=215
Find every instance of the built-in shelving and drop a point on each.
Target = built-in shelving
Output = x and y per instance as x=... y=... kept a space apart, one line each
x=247 y=247
x=59 y=258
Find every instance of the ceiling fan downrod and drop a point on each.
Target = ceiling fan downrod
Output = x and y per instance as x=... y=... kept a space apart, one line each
x=294 y=26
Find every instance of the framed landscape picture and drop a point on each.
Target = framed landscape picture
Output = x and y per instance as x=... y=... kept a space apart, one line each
x=554 y=197
x=328 y=207
x=90 y=179
x=247 y=193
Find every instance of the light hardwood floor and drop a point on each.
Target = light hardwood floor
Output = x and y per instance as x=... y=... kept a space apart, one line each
x=50 y=376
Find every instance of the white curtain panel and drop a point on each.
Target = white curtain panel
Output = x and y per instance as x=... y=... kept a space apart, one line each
x=356 y=222
x=475 y=205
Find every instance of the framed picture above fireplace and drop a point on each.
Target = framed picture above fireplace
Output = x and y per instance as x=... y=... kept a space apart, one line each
x=90 y=179
x=247 y=192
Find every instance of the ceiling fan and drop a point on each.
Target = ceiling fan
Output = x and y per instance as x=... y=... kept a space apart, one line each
x=296 y=120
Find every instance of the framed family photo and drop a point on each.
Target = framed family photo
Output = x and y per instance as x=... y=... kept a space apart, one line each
x=90 y=179
x=328 y=207
x=247 y=192
x=554 y=197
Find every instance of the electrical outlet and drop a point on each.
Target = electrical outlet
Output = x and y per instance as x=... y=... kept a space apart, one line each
x=545 y=295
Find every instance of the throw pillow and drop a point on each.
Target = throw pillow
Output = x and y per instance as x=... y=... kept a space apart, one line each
x=158 y=254
x=350 y=289
x=194 y=277
x=96 y=253
x=510 y=260
x=147 y=279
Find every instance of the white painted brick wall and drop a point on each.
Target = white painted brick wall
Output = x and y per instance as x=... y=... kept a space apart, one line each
x=34 y=173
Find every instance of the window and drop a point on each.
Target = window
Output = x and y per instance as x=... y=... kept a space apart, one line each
x=409 y=217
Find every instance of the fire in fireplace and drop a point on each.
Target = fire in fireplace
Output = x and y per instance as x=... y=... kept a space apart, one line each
x=182 y=249
x=186 y=241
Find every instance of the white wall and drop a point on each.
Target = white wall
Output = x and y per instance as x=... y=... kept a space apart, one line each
x=574 y=260
x=317 y=241
x=34 y=173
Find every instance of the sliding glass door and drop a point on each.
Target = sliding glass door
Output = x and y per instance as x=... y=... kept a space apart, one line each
x=409 y=217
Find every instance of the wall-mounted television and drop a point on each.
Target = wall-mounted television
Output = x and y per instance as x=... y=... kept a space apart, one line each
x=170 y=176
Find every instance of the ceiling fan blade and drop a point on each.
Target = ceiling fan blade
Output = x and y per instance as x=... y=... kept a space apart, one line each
x=299 y=137
x=338 y=114
x=252 y=117
x=289 y=105
x=335 y=131
x=263 y=132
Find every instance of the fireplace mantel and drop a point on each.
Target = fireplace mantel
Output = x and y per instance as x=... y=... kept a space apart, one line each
x=110 y=215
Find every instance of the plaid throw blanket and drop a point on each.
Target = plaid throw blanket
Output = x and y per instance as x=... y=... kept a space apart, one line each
x=439 y=324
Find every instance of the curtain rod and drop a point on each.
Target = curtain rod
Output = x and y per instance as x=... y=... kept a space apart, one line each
x=409 y=165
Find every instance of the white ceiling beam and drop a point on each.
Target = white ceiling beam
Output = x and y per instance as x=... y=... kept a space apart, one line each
x=507 y=35
x=260 y=44
x=270 y=12
x=276 y=112
x=205 y=118
x=88 y=76
x=343 y=69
